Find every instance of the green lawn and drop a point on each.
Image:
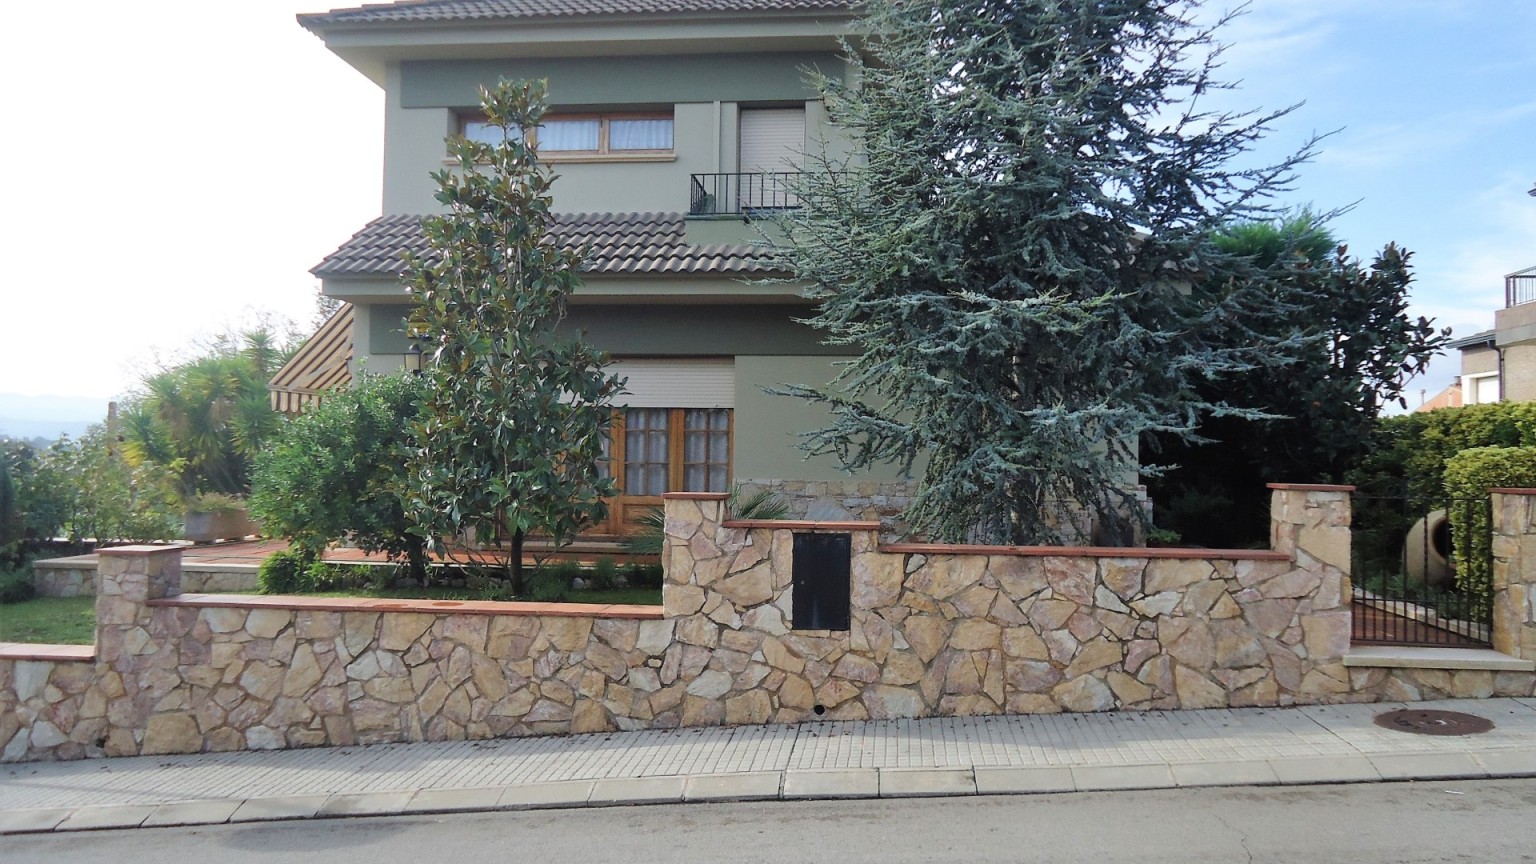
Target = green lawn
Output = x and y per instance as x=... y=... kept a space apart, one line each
x=50 y=620
x=72 y=620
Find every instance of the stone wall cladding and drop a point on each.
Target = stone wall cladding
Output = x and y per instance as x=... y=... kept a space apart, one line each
x=864 y=499
x=965 y=634
x=935 y=631
x=78 y=579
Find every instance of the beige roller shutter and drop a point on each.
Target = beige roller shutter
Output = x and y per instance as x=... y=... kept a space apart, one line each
x=772 y=139
x=676 y=383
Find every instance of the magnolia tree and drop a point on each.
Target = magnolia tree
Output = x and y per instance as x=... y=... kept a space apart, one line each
x=1012 y=252
x=514 y=418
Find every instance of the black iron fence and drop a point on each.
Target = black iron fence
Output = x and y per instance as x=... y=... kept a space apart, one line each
x=1406 y=561
x=741 y=194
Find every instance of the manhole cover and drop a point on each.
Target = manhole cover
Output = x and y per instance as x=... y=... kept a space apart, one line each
x=1422 y=722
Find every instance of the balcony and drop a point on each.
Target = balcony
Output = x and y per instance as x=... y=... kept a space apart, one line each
x=741 y=195
x=1520 y=287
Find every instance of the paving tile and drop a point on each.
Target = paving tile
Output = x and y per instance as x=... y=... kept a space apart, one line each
x=637 y=790
x=925 y=782
x=1024 y=781
x=1507 y=763
x=366 y=804
x=454 y=800
x=751 y=786
x=1325 y=769
x=1243 y=773
x=279 y=807
x=1106 y=777
x=1427 y=766
x=835 y=783
x=106 y=816
x=26 y=821
x=537 y=796
x=214 y=811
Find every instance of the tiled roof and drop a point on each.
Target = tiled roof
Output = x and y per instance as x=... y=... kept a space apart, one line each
x=490 y=10
x=648 y=243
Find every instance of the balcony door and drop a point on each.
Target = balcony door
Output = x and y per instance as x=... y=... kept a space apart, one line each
x=772 y=142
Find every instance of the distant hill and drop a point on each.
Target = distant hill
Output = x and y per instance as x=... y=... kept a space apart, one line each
x=49 y=416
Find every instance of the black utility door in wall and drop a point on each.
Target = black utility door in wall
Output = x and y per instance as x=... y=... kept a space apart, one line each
x=821 y=581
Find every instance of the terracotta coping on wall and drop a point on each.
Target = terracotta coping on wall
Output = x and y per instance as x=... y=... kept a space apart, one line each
x=1084 y=551
x=803 y=524
x=1309 y=487
x=30 y=651
x=1513 y=491
x=435 y=607
x=694 y=496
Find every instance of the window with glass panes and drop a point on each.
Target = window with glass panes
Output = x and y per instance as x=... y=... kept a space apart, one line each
x=590 y=135
x=658 y=450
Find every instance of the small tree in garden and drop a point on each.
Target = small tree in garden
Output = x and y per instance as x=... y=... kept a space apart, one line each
x=337 y=472
x=514 y=417
x=1013 y=255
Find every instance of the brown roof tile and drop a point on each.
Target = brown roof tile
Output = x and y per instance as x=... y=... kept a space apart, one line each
x=640 y=243
x=490 y=10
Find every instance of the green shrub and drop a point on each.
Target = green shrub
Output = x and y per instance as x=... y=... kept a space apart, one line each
x=604 y=575
x=1408 y=454
x=17 y=587
x=552 y=582
x=283 y=572
x=338 y=471
x=1468 y=477
x=645 y=576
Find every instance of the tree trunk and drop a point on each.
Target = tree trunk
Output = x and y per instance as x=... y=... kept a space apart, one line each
x=515 y=563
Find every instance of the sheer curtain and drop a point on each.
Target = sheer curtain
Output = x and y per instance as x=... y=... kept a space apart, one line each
x=653 y=134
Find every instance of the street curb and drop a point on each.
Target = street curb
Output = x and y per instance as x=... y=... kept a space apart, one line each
x=786 y=785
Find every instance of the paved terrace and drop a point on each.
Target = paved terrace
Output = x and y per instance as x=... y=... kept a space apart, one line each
x=943 y=756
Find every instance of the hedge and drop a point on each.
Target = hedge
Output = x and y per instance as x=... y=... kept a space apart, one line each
x=1468 y=477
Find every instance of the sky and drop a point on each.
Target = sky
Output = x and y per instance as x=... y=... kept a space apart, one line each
x=173 y=169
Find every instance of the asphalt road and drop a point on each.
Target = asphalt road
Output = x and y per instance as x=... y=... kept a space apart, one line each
x=1482 y=821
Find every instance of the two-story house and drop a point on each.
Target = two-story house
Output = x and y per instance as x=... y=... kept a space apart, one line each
x=670 y=124
x=1498 y=365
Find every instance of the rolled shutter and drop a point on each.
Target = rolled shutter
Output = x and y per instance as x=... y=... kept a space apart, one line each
x=676 y=383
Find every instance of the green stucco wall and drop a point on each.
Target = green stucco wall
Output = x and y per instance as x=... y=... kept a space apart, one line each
x=768 y=426
x=611 y=81
x=705 y=93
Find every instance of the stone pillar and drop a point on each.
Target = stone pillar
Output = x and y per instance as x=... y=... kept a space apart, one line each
x=1311 y=524
x=693 y=521
x=1514 y=572
x=128 y=648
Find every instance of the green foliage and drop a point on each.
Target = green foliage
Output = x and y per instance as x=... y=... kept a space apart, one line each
x=649 y=576
x=17 y=587
x=1356 y=349
x=282 y=572
x=337 y=472
x=552 y=582
x=651 y=536
x=1468 y=477
x=1407 y=455
x=87 y=488
x=209 y=416
x=1014 y=254
x=605 y=574
x=10 y=511
x=514 y=419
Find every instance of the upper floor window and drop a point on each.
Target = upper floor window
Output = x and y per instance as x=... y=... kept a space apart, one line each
x=589 y=134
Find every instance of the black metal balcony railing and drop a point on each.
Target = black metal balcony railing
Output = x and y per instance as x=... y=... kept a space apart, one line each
x=1520 y=287
x=741 y=194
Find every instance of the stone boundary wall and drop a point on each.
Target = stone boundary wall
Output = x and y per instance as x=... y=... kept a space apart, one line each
x=72 y=577
x=936 y=631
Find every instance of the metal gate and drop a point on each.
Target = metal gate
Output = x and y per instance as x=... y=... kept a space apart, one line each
x=1416 y=564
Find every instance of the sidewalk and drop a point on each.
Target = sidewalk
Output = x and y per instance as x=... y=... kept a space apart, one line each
x=943 y=756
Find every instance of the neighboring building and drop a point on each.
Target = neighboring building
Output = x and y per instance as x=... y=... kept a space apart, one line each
x=671 y=121
x=1499 y=365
